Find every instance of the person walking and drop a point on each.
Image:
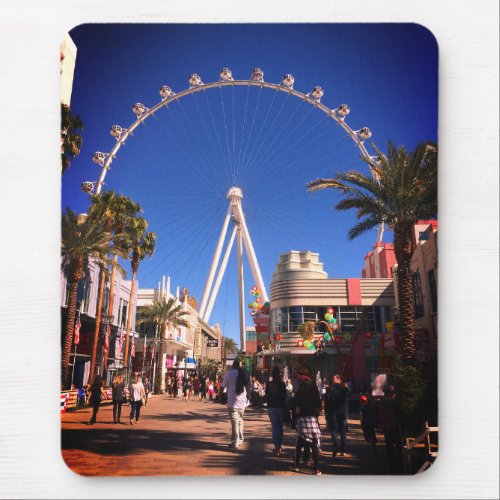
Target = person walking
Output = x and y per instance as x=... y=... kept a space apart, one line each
x=389 y=415
x=137 y=393
x=307 y=407
x=276 y=396
x=336 y=413
x=211 y=391
x=118 y=397
x=186 y=387
x=147 y=389
x=368 y=422
x=235 y=383
x=96 y=394
x=203 y=389
x=196 y=388
x=169 y=386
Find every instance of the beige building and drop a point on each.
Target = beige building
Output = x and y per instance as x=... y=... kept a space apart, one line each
x=301 y=291
x=68 y=61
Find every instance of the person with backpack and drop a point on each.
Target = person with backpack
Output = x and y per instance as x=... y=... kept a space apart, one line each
x=235 y=383
x=307 y=407
x=336 y=412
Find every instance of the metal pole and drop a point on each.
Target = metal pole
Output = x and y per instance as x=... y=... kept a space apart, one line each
x=143 y=354
x=73 y=370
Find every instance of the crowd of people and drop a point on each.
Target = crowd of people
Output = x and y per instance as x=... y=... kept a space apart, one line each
x=296 y=404
x=137 y=396
x=194 y=388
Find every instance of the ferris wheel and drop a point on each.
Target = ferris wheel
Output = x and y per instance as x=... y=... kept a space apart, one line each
x=313 y=98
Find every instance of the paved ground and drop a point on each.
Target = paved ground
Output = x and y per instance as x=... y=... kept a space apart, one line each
x=178 y=438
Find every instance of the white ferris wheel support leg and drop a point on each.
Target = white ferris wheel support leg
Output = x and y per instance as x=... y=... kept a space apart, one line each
x=215 y=262
x=254 y=265
x=220 y=274
x=241 y=287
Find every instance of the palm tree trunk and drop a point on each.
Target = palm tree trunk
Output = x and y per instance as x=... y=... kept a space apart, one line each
x=97 y=326
x=68 y=336
x=403 y=248
x=129 y=318
x=111 y=302
x=160 y=376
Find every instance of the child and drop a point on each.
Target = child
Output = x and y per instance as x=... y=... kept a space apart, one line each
x=368 y=422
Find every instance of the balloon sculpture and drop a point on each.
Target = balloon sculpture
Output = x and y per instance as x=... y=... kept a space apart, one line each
x=320 y=342
x=257 y=303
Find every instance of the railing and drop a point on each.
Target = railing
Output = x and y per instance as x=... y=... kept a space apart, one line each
x=420 y=448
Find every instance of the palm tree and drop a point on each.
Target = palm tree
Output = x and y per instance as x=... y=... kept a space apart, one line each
x=71 y=140
x=142 y=244
x=81 y=240
x=115 y=211
x=230 y=345
x=162 y=312
x=402 y=191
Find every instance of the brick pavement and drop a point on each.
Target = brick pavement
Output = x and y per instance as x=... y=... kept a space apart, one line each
x=178 y=438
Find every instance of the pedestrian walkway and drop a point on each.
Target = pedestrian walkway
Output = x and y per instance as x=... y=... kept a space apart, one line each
x=175 y=437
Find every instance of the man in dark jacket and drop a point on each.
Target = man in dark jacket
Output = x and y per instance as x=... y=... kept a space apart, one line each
x=389 y=417
x=336 y=412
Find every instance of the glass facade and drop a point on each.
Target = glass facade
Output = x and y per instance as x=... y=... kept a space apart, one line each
x=373 y=318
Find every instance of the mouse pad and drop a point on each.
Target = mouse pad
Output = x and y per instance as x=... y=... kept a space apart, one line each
x=249 y=249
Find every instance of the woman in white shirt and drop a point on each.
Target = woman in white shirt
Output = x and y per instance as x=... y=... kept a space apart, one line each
x=137 y=392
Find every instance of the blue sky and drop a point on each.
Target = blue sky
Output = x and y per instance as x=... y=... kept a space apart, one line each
x=180 y=164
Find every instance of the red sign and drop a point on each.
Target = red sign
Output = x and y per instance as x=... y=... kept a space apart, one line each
x=262 y=323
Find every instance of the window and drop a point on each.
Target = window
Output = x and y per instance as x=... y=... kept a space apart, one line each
x=122 y=313
x=295 y=318
x=86 y=296
x=418 y=299
x=347 y=319
x=431 y=278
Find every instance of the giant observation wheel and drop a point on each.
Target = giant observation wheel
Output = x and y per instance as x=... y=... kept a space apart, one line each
x=313 y=98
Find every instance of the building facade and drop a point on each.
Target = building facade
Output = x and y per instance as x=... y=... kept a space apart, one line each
x=68 y=61
x=87 y=303
x=381 y=262
x=187 y=347
x=301 y=291
x=424 y=267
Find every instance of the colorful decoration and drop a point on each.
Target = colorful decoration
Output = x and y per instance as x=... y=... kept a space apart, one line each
x=348 y=337
x=256 y=304
x=338 y=340
x=300 y=343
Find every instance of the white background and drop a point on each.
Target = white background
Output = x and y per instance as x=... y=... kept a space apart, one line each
x=30 y=35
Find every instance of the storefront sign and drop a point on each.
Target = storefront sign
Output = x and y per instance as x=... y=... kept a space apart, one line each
x=212 y=342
